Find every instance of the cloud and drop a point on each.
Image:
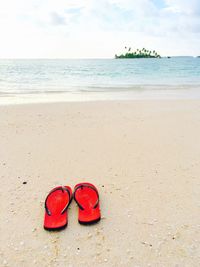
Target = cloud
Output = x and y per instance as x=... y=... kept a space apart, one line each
x=187 y=7
x=97 y=28
x=57 y=19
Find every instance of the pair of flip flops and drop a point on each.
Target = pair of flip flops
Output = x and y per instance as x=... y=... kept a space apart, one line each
x=58 y=200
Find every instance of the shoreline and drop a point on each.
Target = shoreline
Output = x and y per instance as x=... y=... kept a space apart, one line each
x=143 y=159
x=181 y=93
x=93 y=103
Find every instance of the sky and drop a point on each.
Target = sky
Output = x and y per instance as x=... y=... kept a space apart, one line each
x=97 y=28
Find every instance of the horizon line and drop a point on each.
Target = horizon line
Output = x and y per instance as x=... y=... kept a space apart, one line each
x=84 y=58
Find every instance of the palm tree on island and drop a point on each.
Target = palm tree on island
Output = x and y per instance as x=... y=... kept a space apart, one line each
x=144 y=53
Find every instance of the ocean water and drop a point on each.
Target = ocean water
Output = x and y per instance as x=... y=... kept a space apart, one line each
x=93 y=79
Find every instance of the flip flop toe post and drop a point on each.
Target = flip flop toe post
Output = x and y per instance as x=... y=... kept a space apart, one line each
x=87 y=198
x=56 y=205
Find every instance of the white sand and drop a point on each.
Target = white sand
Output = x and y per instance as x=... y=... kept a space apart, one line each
x=144 y=157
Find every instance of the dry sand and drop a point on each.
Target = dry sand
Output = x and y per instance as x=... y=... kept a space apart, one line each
x=144 y=156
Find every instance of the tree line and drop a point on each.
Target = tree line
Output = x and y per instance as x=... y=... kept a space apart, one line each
x=138 y=53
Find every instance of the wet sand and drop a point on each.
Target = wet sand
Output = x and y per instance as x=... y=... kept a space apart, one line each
x=144 y=157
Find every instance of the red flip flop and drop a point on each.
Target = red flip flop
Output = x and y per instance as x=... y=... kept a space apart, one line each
x=87 y=198
x=56 y=205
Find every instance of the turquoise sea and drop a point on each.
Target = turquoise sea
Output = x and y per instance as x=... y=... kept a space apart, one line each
x=93 y=79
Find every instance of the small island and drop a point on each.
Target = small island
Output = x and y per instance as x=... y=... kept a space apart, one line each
x=138 y=53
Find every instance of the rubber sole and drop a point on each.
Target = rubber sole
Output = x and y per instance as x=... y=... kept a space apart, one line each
x=90 y=222
x=58 y=228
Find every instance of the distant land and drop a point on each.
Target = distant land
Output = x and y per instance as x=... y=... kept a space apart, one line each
x=138 y=53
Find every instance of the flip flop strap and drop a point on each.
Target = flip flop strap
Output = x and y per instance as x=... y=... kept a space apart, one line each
x=62 y=188
x=89 y=186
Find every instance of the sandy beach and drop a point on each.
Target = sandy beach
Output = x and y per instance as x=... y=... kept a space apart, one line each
x=144 y=157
